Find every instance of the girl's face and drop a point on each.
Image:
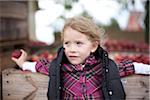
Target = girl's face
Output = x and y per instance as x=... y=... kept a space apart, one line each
x=77 y=46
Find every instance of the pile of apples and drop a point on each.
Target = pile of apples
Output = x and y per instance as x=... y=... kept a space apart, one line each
x=35 y=57
x=125 y=45
x=43 y=54
x=140 y=58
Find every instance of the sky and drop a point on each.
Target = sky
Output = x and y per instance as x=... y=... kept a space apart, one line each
x=48 y=20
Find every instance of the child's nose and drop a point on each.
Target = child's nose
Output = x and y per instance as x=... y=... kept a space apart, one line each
x=72 y=48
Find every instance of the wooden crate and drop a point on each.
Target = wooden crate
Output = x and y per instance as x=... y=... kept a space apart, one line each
x=14 y=9
x=136 y=87
x=13 y=29
x=23 y=85
x=14 y=21
x=20 y=85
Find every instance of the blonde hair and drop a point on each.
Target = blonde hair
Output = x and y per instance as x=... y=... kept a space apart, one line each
x=85 y=26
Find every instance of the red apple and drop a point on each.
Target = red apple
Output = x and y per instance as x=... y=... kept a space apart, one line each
x=16 y=54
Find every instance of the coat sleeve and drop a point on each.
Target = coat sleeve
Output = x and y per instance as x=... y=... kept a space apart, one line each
x=42 y=66
x=126 y=68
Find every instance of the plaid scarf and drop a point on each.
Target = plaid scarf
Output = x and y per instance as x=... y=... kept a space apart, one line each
x=82 y=83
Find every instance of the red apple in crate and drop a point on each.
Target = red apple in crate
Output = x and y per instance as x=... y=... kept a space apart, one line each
x=16 y=54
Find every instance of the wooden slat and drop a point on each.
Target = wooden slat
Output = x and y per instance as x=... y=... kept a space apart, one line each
x=13 y=9
x=136 y=87
x=21 y=85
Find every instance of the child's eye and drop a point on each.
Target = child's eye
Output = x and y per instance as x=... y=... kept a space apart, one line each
x=79 y=43
x=66 y=43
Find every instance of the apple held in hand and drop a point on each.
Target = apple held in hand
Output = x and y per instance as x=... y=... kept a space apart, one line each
x=16 y=54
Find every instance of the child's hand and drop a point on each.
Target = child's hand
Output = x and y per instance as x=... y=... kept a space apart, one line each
x=20 y=60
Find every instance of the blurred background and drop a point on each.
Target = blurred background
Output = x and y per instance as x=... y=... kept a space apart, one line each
x=35 y=25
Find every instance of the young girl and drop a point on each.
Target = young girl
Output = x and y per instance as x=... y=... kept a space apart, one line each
x=82 y=69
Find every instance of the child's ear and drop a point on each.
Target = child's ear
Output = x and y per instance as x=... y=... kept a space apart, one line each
x=95 y=46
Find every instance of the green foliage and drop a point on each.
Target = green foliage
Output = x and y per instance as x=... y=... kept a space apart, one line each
x=114 y=23
x=68 y=6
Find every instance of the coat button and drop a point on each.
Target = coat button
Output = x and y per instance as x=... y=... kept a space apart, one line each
x=105 y=54
x=106 y=70
x=59 y=88
x=110 y=93
x=59 y=64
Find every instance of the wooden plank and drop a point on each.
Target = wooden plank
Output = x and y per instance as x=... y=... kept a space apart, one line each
x=136 y=87
x=22 y=85
x=13 y=9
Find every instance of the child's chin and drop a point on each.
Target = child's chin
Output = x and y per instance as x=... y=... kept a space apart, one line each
x=75 y=63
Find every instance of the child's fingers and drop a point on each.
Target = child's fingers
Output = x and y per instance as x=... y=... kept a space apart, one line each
x=23 y=52
x=14 y=59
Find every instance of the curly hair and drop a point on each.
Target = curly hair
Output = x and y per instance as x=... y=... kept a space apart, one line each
x=85 y=26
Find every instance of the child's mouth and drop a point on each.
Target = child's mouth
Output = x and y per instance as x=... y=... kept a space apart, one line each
x=73 y=57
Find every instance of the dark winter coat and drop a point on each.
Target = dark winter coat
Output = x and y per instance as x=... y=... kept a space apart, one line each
x=111 y=86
